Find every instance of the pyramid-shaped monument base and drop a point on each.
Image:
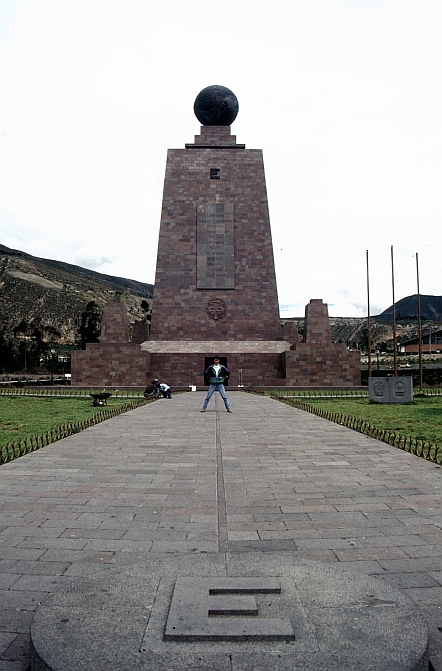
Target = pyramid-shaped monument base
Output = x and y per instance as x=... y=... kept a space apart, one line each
x=315 y=361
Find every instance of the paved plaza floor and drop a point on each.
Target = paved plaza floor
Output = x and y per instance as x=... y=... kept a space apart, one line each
x=166 y=478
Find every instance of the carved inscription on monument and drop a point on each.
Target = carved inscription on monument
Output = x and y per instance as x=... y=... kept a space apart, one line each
x=215 y=246
x=390 y=389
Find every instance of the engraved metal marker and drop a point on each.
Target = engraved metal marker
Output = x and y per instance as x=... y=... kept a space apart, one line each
x=218 y=609
x=215 y=246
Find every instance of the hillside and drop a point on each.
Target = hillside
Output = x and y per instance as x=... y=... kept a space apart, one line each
x=353 y=330
x=51 y=296
x=407 y=309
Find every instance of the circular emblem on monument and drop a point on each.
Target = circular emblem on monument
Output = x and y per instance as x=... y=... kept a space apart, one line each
x=216 y=106
x=216 y=309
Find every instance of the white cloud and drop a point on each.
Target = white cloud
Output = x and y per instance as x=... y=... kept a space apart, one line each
x=342 y=96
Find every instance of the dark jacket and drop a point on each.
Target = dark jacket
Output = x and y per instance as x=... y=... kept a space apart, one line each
x=214 y=379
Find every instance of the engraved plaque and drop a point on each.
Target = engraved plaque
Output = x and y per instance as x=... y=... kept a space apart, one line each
x=390 y=389
x=215 y=246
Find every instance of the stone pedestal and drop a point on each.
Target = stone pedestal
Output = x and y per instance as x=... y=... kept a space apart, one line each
x=390 y=389
x=237 y=612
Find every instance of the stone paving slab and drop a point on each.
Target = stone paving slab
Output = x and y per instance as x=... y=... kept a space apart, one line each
x=166 y=478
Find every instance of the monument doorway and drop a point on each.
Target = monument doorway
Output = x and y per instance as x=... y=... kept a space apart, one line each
x=208 y=361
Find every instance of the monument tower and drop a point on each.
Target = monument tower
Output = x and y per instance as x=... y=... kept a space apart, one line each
x=215 y=284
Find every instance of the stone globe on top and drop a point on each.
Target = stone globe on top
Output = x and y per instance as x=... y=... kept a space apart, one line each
x=216 y=106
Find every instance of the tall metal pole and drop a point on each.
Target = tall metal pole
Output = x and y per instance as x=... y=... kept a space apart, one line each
x=394 y=317
x=368 y=319
x=419 y=318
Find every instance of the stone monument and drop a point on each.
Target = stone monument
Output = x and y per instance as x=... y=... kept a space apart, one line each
x=390 y=389
x=317 y=361
x=215 y=285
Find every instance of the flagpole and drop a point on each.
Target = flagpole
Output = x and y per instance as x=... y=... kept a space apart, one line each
x=394 y=317
x=419 y=317
x=368 y=319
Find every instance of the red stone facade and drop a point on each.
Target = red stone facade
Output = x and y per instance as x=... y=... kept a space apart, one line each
x=114 y=361
x=181 y=311
x=317 y=362
x=114 y=323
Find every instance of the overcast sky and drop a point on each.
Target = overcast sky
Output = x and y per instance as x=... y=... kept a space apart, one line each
x=343 y=96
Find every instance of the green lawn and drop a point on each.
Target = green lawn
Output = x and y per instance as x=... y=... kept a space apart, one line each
x=25 y=416
x=421 y=419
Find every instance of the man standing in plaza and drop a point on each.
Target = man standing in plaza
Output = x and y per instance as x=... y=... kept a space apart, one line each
x=217 y=375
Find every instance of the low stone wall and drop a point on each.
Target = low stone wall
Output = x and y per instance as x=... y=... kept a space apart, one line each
x=110 y=365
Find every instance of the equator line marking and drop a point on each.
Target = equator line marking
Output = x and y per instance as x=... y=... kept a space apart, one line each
x=220 y=490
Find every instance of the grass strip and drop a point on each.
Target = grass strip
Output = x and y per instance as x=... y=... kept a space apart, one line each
x=26 y=416
x=415 y=427
x=421 y=419
x=28 y=423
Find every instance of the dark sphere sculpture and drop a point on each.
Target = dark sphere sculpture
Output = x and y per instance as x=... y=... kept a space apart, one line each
x=216 y=106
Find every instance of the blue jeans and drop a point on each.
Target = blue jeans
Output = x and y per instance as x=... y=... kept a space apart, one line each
x=212 y=388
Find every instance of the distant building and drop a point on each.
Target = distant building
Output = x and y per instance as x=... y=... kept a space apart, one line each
x=431 y=344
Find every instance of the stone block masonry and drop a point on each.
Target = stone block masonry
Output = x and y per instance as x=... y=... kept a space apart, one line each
x=317 y=362
x=110 y=365
x=215 y=277
x=114 y=361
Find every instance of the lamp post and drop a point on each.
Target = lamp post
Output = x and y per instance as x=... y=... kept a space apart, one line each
x=52 y=365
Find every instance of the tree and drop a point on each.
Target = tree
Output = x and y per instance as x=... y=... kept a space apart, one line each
x=146 y=307
x=90 y=328
x=9 y=355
